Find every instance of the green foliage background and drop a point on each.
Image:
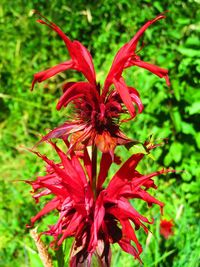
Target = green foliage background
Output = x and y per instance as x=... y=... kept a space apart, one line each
x=103 y=26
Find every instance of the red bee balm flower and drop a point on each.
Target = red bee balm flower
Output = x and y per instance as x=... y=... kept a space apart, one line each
x=98 y=109
x=95 y=220
x=166 y=228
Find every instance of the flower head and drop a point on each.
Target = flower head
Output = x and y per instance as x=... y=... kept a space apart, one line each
x=98 y=110
x=166 y=228
x=95 y=221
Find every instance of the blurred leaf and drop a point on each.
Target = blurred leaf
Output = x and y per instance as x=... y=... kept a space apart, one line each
x=188 y=52
x=158 y=6
x=187 y=128
x=176 y=151
x=183 y=20
x=176 y=117
x=194 y=108
x=187 y=176
x=197 y=138
x=168 y=159
x=176 y=88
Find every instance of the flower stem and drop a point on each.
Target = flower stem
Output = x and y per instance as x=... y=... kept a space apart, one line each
x=42 y=249
x=94 y=170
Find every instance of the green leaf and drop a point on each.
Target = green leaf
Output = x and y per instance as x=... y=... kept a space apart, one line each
x=158 y=6
x=185 y=187
x=194 y=108
x=183 y=20
x=189 y=52
x=186 y=176
x=176 y=117
x=168 y=159
x=187 y=128
x=192 y=41
x=176 y=89
x=176 y=151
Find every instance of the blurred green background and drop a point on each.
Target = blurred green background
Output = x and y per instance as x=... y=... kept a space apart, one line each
x=103 y=26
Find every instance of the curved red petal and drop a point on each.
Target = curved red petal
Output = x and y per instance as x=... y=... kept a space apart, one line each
x=160 y=72
x=51 y=205
x=80 y=56
x=106 y=161
x=127 y=247
x=125 y=53
x=77 y=90
x=123 y=91
x=46 y=74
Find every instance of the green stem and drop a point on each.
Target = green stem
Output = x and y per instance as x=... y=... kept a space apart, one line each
x=94 y=170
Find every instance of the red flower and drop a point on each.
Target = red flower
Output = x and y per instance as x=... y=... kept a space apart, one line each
x=98 y=110
x=95 y=222
x=166 y=228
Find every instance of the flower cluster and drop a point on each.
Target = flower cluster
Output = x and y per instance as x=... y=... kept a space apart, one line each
x=98 y=110
x=94 y=214
x=166 y=228
x=105 y=218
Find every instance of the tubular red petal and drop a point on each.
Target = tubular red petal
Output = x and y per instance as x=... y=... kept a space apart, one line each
x=67 y=86
x=71 y=166
x=125 y=53
x=88 y=164
x=149 y=199
x=116 y=68
x=123 y=91
x=71 y=228
x=131 y=181
x=55 y=28
x=57 y=190
x=46 y=74
x=80 y=55
x=75 y=91
x=99 y=213
x=139 y=181
x=73 y=186
x=127 y=247
x=106 y=161
x=79 y=169
x=136 y=98
x=160 y=72
x=41 y=194
x=62 y=131
x=129 y=211
x=133 y=43
x=129 y=233
x=84 y=59
x=126 y=170
x=51 y=205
